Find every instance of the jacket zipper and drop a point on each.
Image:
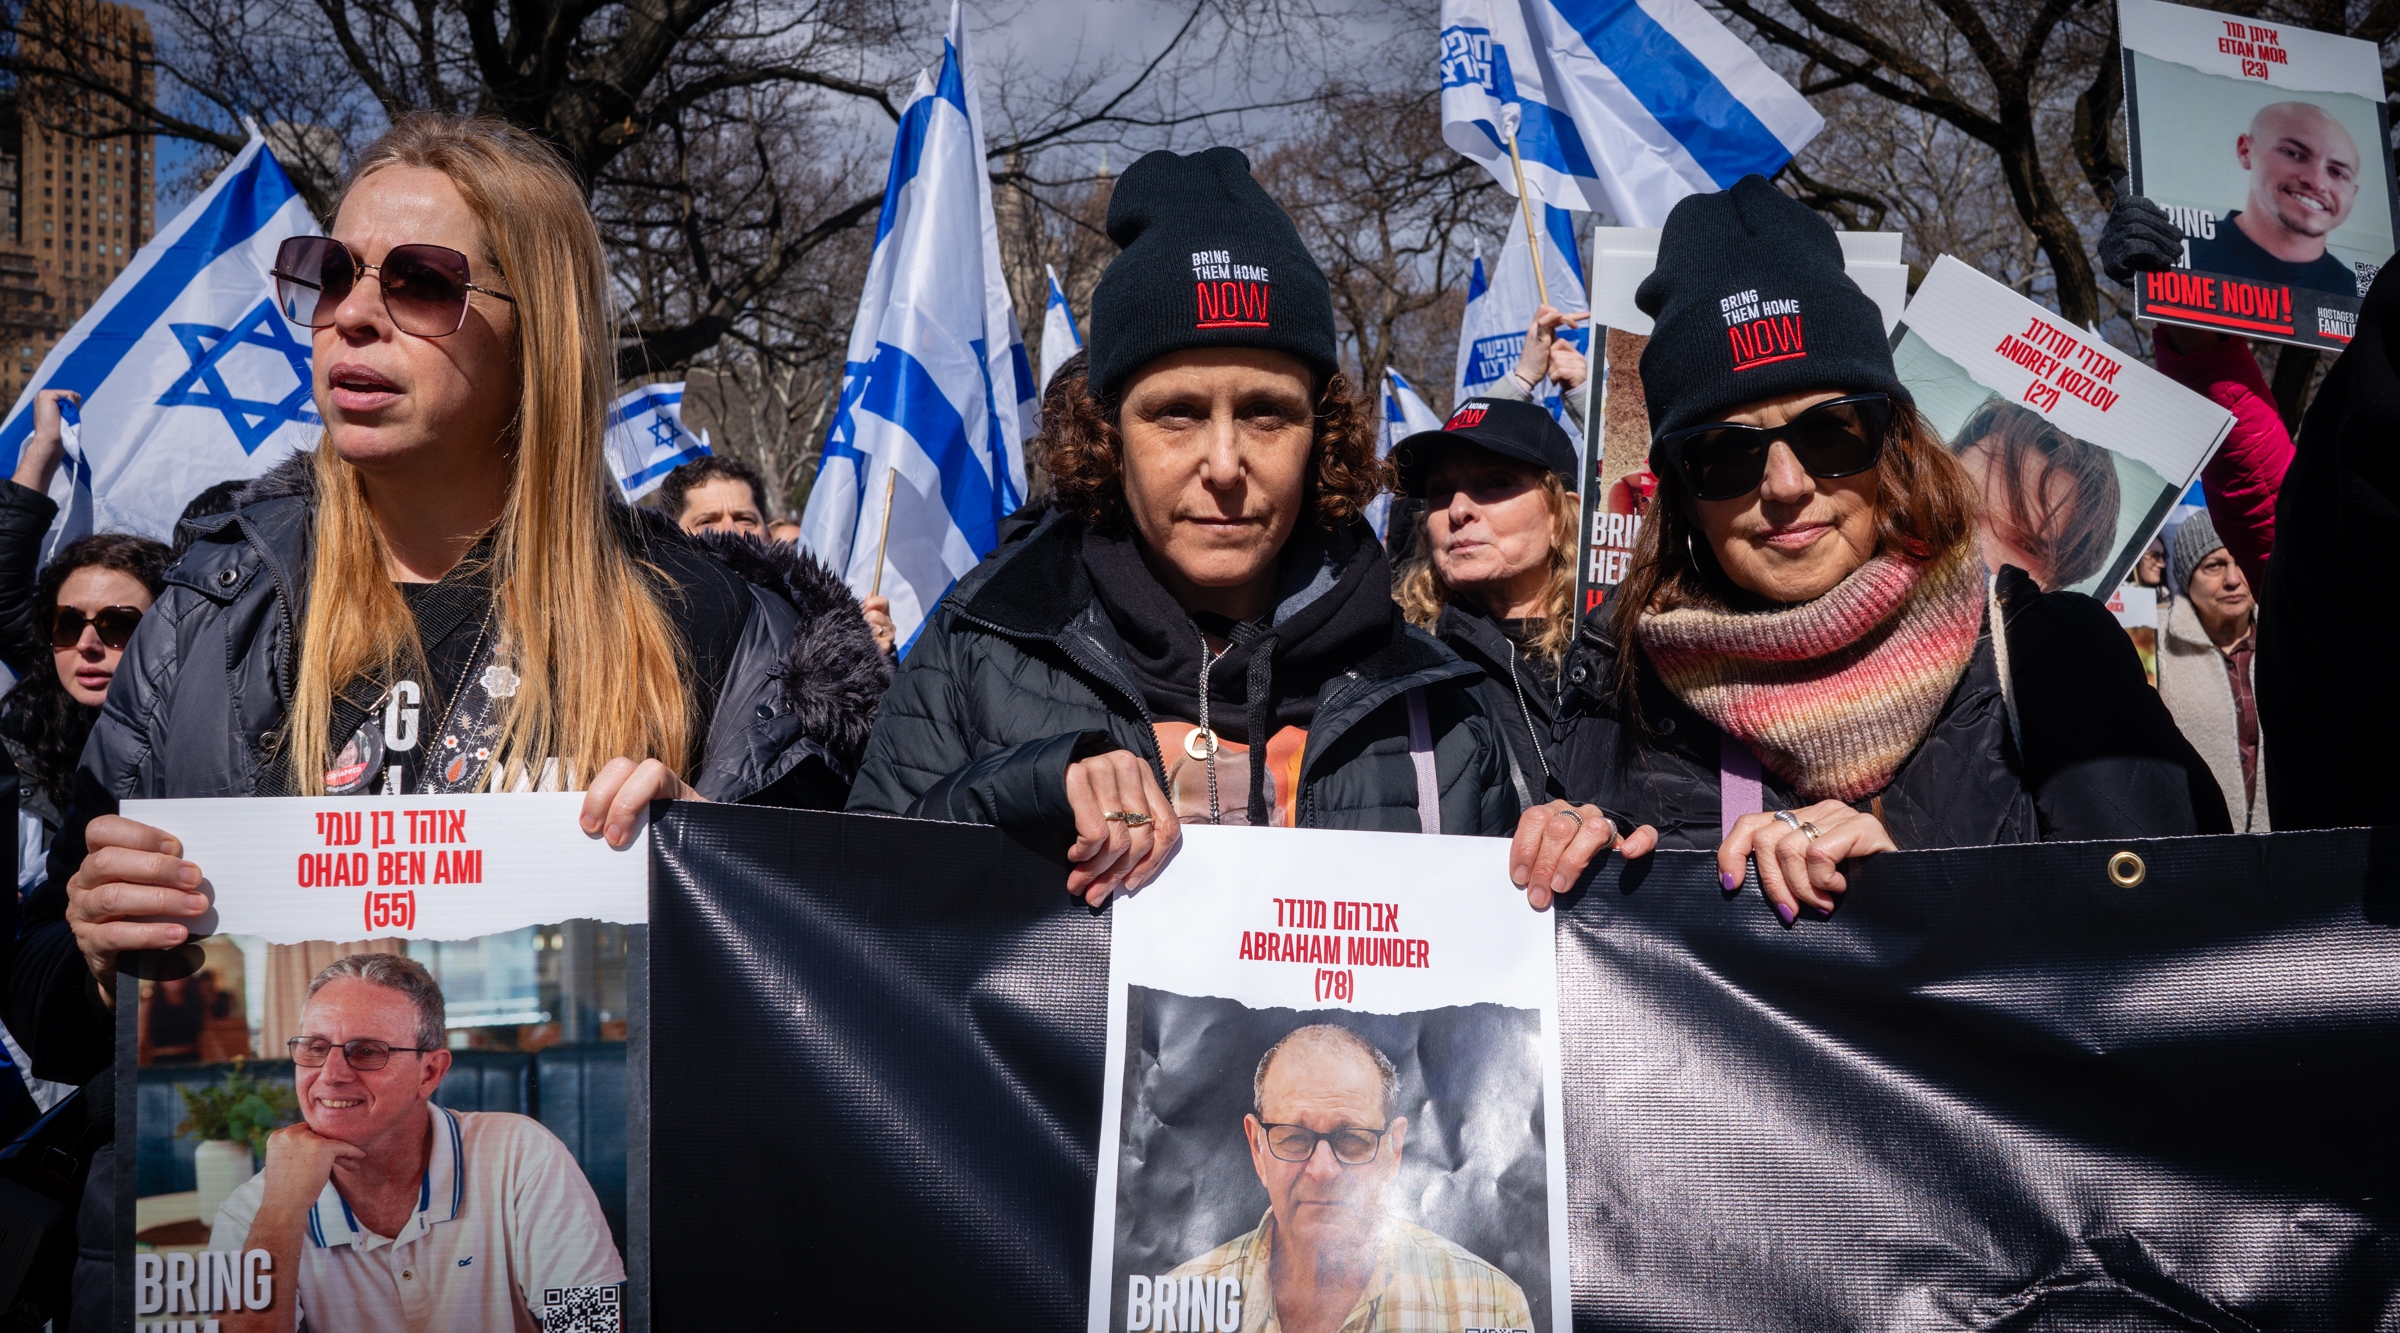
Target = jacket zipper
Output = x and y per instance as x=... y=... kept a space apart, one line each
x=1095 y=667
x=1526 y=710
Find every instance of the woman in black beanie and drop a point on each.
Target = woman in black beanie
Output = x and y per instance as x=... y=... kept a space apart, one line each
x=1203 y=628
x=1804 y=665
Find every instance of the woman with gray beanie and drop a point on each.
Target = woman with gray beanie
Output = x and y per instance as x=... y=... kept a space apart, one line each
x=2205 y=674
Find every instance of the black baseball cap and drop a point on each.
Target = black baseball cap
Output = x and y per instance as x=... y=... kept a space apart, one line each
x=1518 y=431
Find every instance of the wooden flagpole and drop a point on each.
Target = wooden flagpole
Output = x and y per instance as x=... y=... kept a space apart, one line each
x=1533 y=234
x=884 y=539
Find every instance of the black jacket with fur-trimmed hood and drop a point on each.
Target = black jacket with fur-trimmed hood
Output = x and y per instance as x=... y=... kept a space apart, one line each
x=200 y=699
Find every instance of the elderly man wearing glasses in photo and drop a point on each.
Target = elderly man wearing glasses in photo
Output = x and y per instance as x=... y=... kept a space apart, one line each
x=1329 y=1254
x=390 y=1212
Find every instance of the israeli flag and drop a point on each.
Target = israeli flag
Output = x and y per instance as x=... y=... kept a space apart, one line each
x=1492 y=335
x=1404 y=414
x=1619 y=106
x=189 y=375
x=647 y=439
x=1059 y=338
x=937 y=396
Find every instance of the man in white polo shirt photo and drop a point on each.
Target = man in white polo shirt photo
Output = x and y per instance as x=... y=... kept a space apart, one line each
x=399 y=1214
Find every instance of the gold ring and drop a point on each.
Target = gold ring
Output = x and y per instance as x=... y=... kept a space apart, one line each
x=1810 y=829
x=1129 y=818
x=2126 y=871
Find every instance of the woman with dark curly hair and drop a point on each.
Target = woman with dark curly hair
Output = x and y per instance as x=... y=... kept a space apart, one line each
x=82 y=608
x=1203 y=629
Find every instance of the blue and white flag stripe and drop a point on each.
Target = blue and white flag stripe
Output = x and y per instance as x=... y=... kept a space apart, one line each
x=937 y=391
x=1060 y=340
x=189 y=374
x=1404 y=414
x=1501 y=307
x=1626 y=106
x=647 y=438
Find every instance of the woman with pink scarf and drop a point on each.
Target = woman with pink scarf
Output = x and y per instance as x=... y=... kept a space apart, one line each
x=1808 y=663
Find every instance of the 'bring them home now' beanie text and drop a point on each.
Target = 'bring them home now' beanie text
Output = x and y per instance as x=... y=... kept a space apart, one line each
x=1208 y=261
x=1749 y=301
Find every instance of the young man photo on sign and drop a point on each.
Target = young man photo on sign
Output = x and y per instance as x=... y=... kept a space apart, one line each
x=1329 y=1255
x=2303 y=181
x=395 y=1213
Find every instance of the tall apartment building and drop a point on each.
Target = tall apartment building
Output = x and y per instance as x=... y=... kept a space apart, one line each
x=79 y=202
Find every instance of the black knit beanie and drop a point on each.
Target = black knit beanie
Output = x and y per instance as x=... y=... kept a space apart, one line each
x=1750 y=301
x=1208 y=261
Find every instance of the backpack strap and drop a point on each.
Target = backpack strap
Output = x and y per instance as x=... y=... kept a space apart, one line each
x=1740 y=789
x=1420 y=754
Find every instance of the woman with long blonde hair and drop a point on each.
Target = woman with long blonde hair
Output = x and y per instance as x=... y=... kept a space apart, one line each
x=1492 y=574
x=447 y=595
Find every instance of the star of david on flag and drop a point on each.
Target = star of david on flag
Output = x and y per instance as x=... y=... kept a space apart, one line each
x=647 y=439
x=188 y=375
x=253 y=421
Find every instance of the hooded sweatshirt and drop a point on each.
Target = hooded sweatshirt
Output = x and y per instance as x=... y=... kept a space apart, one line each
x=1333 y=606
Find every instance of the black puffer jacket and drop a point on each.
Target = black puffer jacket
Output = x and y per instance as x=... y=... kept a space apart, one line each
x=2091 y=753
x=204 y=686
x=1022 y=671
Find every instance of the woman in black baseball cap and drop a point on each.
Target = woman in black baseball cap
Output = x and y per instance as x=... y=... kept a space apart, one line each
x=1204 y=628
x=1492 y=572
x=1807 y=660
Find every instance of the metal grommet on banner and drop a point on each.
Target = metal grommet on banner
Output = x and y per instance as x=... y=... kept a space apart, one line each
x=2126 y=870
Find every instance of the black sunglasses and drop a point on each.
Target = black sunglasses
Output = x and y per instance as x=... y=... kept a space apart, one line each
x=1723 y=461
x=424 y=286
x=115 y=623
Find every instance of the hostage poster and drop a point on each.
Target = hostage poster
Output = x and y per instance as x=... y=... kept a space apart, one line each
x=2079 y=449
x=1332 y=1092
x=2267 y=145
x=1617 y=483
x=386 y=1086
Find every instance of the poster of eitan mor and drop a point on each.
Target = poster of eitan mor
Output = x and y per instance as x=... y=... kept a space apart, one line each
x=2267 y=144
x=1329 y=1105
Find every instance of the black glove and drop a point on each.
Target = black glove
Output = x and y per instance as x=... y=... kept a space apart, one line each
x=2139 y=237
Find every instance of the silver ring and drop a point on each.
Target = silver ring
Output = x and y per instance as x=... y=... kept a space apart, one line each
x=1571 y=815
x=1787 y=817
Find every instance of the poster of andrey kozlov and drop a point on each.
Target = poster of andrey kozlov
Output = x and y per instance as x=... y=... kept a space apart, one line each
x=2078 y=449
x=2267 y=145
x=386 y=1085
x=1332 y=1092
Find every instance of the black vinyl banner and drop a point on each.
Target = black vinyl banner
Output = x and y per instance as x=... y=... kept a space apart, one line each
x=2069 y=1086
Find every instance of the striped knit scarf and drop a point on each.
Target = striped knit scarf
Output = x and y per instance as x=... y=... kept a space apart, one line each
x=1833 y=695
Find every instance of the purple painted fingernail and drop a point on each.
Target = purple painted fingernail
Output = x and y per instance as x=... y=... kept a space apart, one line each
x=1784 y=911
x=1730 y=880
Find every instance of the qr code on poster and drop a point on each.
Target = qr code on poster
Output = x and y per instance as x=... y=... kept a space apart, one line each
x=581 y=1310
